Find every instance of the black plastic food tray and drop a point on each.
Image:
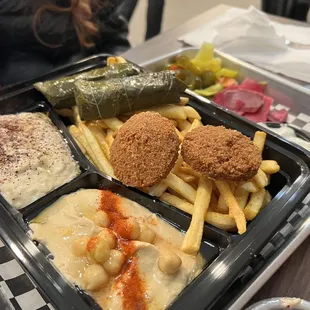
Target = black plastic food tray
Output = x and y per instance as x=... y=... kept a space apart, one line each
x=227 y=254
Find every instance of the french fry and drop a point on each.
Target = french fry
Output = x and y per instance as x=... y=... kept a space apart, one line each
x=171 y=111
x=183 y=101
x=181 y=187
x=174 y=193
x=109 y=137
x=260 y=179
x=270 y=166
x=180 y=136
x=194 y=185
x=115 y=60
x=184 y=125
x=221 y=221
x=254 y=205
x=195 y=124
x=191 y=112
x=81 y=147
x=233 y=206
x=103 y=163
x=242 y=196
x=98 y=133
x=184 y=132
x=76 y=116
x=98 y=123
x=158 y=190
x=190 y=171
x=267 y=199
x=186 y=177
x=113 y=123
x=174 y=122
x=193 y=236
x=249 y=186
x=213 y=202
x=177 y=164
x=75 y=133
x=79 y=136
x=259 y=140
x=268 y=178
x=222 y=206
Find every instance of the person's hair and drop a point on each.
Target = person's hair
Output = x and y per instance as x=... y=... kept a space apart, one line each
x=81 y=17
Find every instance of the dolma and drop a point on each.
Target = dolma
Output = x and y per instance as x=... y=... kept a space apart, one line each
x=103 y=99
x=60 y=92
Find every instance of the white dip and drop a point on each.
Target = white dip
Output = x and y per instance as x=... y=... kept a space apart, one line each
x=34 y=158
x=139 y=283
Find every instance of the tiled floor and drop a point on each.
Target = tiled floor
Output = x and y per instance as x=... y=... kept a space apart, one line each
x=176 y=12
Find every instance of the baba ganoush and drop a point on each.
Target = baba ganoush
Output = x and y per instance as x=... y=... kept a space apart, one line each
x=125 y=256
x=34 y=158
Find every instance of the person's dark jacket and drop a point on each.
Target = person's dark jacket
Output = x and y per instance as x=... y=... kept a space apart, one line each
x=23 y=57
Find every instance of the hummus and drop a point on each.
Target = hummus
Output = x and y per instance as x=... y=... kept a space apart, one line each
x=154 y=269
x=34 y=158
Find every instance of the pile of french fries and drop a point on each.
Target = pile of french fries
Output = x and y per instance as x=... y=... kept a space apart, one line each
x=224 y=204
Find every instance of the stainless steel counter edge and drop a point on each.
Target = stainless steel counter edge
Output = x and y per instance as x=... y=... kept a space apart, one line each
x=276 y=262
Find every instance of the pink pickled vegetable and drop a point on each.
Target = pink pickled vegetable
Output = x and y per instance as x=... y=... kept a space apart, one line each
x=279 y=116
x=262 y=114
x=248 y=100
x=251 y=84
x=231 y=98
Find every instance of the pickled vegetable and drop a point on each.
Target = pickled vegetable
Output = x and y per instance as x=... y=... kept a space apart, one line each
x=208 y=78
x=186 y=76
x=198 y=83
x=210 y=91
x=226 y=73
x=204 y=72
x=226 y=82
x=205 y=54
x=185 y=63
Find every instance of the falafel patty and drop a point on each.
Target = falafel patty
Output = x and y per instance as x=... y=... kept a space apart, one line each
x=144 y=150
x=221 y=153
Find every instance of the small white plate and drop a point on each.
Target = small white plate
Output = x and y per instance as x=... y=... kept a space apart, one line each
x=281 y=303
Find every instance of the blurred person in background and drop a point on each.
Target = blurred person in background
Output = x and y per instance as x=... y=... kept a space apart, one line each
x=38 y=36
x=155 y=11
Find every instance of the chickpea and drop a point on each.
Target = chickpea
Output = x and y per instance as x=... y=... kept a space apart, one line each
x=146 y=234
x=169 y=262
x=79 y=246
x=90 y=259
x=98 y=249
x=127 y=228
x=115 y=262
x=109 y=236
x=95 y=277
x=101 y=219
